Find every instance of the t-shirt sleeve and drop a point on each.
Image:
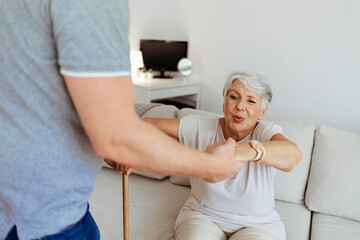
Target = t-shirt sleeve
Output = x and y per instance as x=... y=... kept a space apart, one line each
x=264 y=131
x=197 y=132
x=91 y=37
x=188 y=129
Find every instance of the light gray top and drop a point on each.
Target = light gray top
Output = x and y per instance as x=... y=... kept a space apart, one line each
x=244 y=200
x=47 y=165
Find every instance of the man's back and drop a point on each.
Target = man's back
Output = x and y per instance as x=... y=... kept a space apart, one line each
x=47 y=165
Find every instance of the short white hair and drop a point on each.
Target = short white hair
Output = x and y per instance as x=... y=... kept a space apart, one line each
x=253 y=81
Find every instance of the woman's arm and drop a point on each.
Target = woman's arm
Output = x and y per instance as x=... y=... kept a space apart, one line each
x=166 y=125
x=280 y=152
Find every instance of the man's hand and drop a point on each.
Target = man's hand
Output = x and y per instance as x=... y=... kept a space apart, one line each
x=120 y=168
x=223 y=153
x=211 y=148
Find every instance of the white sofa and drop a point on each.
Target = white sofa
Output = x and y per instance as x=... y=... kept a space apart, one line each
x=318 y=200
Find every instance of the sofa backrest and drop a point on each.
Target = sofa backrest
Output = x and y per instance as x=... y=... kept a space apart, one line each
x=290 y=186
x=334 y=181
x=188 y=111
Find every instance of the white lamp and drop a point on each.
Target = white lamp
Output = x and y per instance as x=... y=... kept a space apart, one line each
x=136 y=60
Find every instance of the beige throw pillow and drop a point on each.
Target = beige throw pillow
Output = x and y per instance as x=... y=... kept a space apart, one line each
x=334 y=182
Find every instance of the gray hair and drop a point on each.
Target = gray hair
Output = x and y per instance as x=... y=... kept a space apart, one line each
x=253 y=81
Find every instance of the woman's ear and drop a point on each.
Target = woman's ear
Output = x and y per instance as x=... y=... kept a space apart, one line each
x=223 y=107
x=262 y=113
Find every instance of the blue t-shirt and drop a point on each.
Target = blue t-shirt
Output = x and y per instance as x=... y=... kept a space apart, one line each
x=47 y=165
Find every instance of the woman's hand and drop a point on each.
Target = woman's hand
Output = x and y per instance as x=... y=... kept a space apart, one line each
x=120 y=168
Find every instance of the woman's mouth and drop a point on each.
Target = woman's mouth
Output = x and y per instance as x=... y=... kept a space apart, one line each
x=238 y=119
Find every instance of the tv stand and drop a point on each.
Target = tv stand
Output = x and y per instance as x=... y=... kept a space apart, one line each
x=162 y=75
x=152 y=90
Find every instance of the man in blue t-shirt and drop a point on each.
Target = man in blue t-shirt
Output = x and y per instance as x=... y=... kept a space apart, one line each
x=66 y=102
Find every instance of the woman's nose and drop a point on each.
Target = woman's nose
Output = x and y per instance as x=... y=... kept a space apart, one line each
x=240 y=106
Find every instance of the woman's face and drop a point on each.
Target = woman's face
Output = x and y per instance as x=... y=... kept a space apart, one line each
x=242 y=109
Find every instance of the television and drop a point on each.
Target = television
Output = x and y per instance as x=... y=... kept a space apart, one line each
x=162 y=55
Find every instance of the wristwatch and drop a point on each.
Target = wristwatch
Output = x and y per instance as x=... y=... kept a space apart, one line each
x=260 y=150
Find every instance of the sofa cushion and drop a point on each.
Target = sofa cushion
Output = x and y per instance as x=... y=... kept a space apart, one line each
x=333 y=228
x=179 y=180
x=297 y=219
x=162 y=111
x=153 y=206
x=333 y=186
x=141 y=108
x=106 y=204
x=290 y=186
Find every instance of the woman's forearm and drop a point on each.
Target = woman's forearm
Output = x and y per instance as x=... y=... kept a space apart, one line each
x=168 y=126
x=279 y=153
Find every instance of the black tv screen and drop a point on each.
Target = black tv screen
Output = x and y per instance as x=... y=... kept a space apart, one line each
x=161 y=55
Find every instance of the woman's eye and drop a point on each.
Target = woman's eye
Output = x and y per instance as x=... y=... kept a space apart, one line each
x=251 y=101
x=233 y=97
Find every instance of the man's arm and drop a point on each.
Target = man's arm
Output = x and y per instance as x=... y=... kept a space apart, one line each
x=106 y=109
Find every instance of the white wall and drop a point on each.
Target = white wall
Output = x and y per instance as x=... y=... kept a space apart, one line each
x=309 y=50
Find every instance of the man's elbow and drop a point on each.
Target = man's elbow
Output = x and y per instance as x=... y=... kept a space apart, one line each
x=101 y=147
x=116 y=136
x=111 y=145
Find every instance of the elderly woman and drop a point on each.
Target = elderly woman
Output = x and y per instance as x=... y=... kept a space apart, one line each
x=241 y=207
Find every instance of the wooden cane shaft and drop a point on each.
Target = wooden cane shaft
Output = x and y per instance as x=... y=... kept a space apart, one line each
x=126 y=206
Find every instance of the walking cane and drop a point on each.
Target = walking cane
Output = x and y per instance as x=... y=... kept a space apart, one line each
x=125 y=188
